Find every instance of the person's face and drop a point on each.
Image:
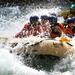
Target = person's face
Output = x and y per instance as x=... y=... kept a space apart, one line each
x=35 y=23
x=44 y=21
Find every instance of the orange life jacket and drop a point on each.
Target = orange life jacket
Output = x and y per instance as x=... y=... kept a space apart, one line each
x=61 y=27
x=55 y=32
x=53 y=35
x=68 y=30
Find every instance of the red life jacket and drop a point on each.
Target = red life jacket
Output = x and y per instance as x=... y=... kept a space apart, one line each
x=61 y=27
x=25 y=28
x=55 y=31
x=53 y=35
x=68 y=30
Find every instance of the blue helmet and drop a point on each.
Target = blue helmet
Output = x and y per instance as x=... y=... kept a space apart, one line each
x=52 y=19
x=34 y=19
x=44 y=17
x=70 y=21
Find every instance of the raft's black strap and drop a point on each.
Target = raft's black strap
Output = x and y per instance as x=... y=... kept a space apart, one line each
x=69 y=44
x=37 y=43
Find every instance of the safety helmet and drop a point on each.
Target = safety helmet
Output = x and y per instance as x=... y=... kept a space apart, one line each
x=70 y=20
x=34 y=19
x=44 y=17
x=52 y=19
x=53 y=14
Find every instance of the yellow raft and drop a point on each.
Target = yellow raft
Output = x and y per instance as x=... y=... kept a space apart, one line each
x=58 y=48
x=50 y=47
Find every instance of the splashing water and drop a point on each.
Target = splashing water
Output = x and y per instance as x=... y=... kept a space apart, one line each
x=12 y=21
x=11 y=18
x=8 y=20
x=10 y=65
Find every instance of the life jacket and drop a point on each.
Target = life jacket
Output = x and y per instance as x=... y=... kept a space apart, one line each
x=69 y=31
x=26 y=27
x=61 y=27
x=53 y=35
x=22 y=32
x=55 y=31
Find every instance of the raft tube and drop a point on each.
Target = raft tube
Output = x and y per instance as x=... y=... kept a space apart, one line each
x=50 y=47
x=58 y=48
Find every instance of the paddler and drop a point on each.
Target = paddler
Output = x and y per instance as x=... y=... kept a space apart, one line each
x=56 y=28
x=26 y=31
x=45 y=27
x=69 y=31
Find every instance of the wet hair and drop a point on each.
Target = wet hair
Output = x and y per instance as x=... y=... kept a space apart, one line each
x=34 y=19
x=53 y=14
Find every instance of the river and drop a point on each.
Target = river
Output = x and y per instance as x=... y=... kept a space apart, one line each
x=12 y=20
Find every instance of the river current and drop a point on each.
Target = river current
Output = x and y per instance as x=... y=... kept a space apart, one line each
x=12 y=20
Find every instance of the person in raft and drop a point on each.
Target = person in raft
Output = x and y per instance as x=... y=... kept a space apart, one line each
x=56 y=28
x=28 y=28
x=45 y=27
x=70 y=29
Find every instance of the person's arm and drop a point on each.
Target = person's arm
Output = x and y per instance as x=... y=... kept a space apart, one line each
x=23 y=31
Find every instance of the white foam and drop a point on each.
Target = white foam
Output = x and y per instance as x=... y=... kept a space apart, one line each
x=10 y=65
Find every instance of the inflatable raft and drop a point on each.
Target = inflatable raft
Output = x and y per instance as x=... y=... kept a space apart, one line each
x=31 y=45
x=50 y=47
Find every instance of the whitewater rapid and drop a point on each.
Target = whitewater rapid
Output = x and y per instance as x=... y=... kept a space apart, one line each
x=11 y=22
x=11 y=64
